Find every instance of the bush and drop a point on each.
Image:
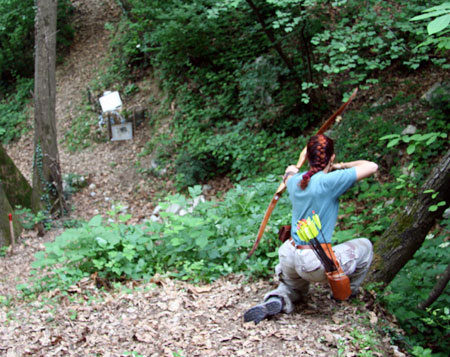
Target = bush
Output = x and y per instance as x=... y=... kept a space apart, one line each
x=14 y=111
x=211 y=242
x=17 y=37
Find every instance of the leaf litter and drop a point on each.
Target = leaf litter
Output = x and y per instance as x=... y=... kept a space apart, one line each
x=165 y=317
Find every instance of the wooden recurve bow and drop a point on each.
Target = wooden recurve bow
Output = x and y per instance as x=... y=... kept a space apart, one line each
x=301 y=161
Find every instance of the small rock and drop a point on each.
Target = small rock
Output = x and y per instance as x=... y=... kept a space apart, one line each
x=206 y=189
x=389 y=202
x=154 y=218
x=174 y=208
x=157 y=209
x=409 y=130
x=447 y=213
x=182 y=212
x=429 y=94
x=92 y=194
x=92 y=186
x=197 y=200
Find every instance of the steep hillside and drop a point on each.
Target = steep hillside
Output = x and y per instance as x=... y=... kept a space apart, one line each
x=109 y=166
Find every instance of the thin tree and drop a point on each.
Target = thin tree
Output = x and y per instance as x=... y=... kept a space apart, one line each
x=47 y=180
x=437 y=290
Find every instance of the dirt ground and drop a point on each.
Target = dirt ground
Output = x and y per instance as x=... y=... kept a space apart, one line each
x=163 y=317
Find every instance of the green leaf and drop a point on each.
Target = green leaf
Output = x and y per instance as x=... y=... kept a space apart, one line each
x=411 y=148
x=393 y=142
x=101 y=242
x=125 y=217
x=429 y=15
x=390 y=136
x=438 y=24
x=95 y=221
x=201 y=241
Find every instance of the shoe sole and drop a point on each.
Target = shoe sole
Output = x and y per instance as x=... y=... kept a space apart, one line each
x=256 y=314
x=260 y=312
x=273 y=307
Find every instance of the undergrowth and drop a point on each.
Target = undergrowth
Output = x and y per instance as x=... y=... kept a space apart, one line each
x=211 y=242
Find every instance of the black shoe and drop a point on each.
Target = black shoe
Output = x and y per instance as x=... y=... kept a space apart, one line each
x=259 y=312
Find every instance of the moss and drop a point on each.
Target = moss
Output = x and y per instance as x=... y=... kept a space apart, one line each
x=17 y=188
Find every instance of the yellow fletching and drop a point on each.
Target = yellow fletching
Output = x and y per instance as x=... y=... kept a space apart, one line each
x=316 y=220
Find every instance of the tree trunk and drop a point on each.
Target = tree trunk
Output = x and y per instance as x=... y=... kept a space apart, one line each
x=5 y=210
x=47 y=181
x=408 y=231
x=15 y=185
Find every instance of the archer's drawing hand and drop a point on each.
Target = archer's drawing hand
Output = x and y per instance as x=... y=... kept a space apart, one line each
x=290 y=171
x=291 y=168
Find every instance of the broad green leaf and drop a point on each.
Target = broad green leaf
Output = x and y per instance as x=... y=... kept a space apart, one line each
x=438 y=24
x=125 y=217
x=101 y=242
x=201 y=241
x=393 y=142
x=429 y=15
x=176 y=242
x=95 y=221
x=390 y=136
x=431 y=140
x=411 y=148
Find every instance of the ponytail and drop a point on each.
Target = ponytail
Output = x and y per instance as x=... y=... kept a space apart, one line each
x=319 y=150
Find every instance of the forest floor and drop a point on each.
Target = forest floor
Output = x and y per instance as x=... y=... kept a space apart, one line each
x=163 y=317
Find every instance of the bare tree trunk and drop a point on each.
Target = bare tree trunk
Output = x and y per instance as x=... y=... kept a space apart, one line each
x=5 y=210
x=408 y=231
x=47 y=180
x=15 y=185
x=437 y=289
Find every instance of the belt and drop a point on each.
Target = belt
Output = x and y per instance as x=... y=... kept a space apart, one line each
x=326 y=246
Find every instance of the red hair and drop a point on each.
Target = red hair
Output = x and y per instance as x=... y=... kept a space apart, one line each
x=319 y=150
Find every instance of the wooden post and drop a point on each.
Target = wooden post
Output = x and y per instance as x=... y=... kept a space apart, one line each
x=108 y=119
x=13 y=243
x=134 y=122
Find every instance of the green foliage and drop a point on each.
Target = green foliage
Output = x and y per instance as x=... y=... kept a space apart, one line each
x=431 y=327
x=17 y=37
x=3 y=251
x=84 y=130
x=413 y=141
x=16 y=60
x=366 y=342
x=14 y=111
x=438 y=26
x=233 y=90
x=29 y=220
x=211 y=242
x=73 y=183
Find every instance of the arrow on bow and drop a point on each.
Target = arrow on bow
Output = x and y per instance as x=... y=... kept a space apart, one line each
x=300 y=162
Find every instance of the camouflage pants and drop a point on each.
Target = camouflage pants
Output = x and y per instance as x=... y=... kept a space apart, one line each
x=298 y=267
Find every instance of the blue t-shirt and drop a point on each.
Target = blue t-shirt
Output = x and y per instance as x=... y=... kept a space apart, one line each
x=322 y=196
